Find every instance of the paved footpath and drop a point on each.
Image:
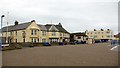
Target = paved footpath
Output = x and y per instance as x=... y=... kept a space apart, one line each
x=69 y=55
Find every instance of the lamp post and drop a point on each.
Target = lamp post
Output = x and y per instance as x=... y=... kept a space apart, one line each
x=1 y=31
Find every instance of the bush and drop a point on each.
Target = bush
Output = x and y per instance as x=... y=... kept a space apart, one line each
x=11 y=47
x=31 y=45
x=18 y=46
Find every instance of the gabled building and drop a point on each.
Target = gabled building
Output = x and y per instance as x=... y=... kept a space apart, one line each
x=78 y=37
x=33 y=32
x=117 y=36
x=21 y=33
x=56 y=33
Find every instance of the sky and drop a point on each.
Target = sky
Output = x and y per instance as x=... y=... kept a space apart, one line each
x=74 y=15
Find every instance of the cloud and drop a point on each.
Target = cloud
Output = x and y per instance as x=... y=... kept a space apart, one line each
x=75 y=15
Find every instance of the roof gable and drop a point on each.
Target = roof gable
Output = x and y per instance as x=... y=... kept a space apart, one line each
x=53 y=28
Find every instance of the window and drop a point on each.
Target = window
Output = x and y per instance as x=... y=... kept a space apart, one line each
x=79 y=37
x=102 y=32
x=95 y=36
x=60 y=34
x=102 y=36
x=64 y=34
x=98 y=32
x=43 y=33
x=34 y=40
x=53 y=33
x=43 y=40
x=108 y=36
x=53 y=40
x=111 y=36
x=16 y=40
x=33 y=32
x=23 y=34
x=38 y=39
x=95 y=32
x=16 y=33
x=107 y=32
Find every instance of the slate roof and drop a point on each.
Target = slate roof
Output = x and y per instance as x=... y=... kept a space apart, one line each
x=25 y=25
x=16 y=27
x=79 y=34
x=48 y=26
x=61 y=29
x=42 y=27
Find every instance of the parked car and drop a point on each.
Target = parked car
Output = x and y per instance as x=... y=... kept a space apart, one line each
x=46 y=44
x=61 y=43
x=78 y=42
x=72 y=43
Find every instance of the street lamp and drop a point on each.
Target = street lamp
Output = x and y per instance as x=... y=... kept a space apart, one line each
x=1 y=31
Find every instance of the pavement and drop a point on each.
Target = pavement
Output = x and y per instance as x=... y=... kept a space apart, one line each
x=68 y=55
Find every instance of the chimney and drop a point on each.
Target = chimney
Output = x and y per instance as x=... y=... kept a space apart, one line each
x=94 y=29
x=16 y=22
x=60 y=24
x=108 y=29
x=102 y=30
x=33 y=21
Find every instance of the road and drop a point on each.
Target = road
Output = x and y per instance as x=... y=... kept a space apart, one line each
x=69 y=55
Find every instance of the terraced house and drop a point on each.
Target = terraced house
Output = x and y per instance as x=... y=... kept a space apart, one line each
x=33 y=32
x=100 y=35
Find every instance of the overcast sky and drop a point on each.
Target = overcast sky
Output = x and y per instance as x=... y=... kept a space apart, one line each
x=74 y=15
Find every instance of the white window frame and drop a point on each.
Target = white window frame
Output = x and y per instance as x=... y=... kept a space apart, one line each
x=34 y=40
x=33 y=32
x=53 y=33
x=43 y=33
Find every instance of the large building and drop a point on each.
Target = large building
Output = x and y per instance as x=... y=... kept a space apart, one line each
x=78 y=37
x=33 y=32
x=117 y=36
x=100 y=35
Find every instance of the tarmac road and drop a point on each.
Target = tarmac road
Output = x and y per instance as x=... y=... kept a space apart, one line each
x=69 y=55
